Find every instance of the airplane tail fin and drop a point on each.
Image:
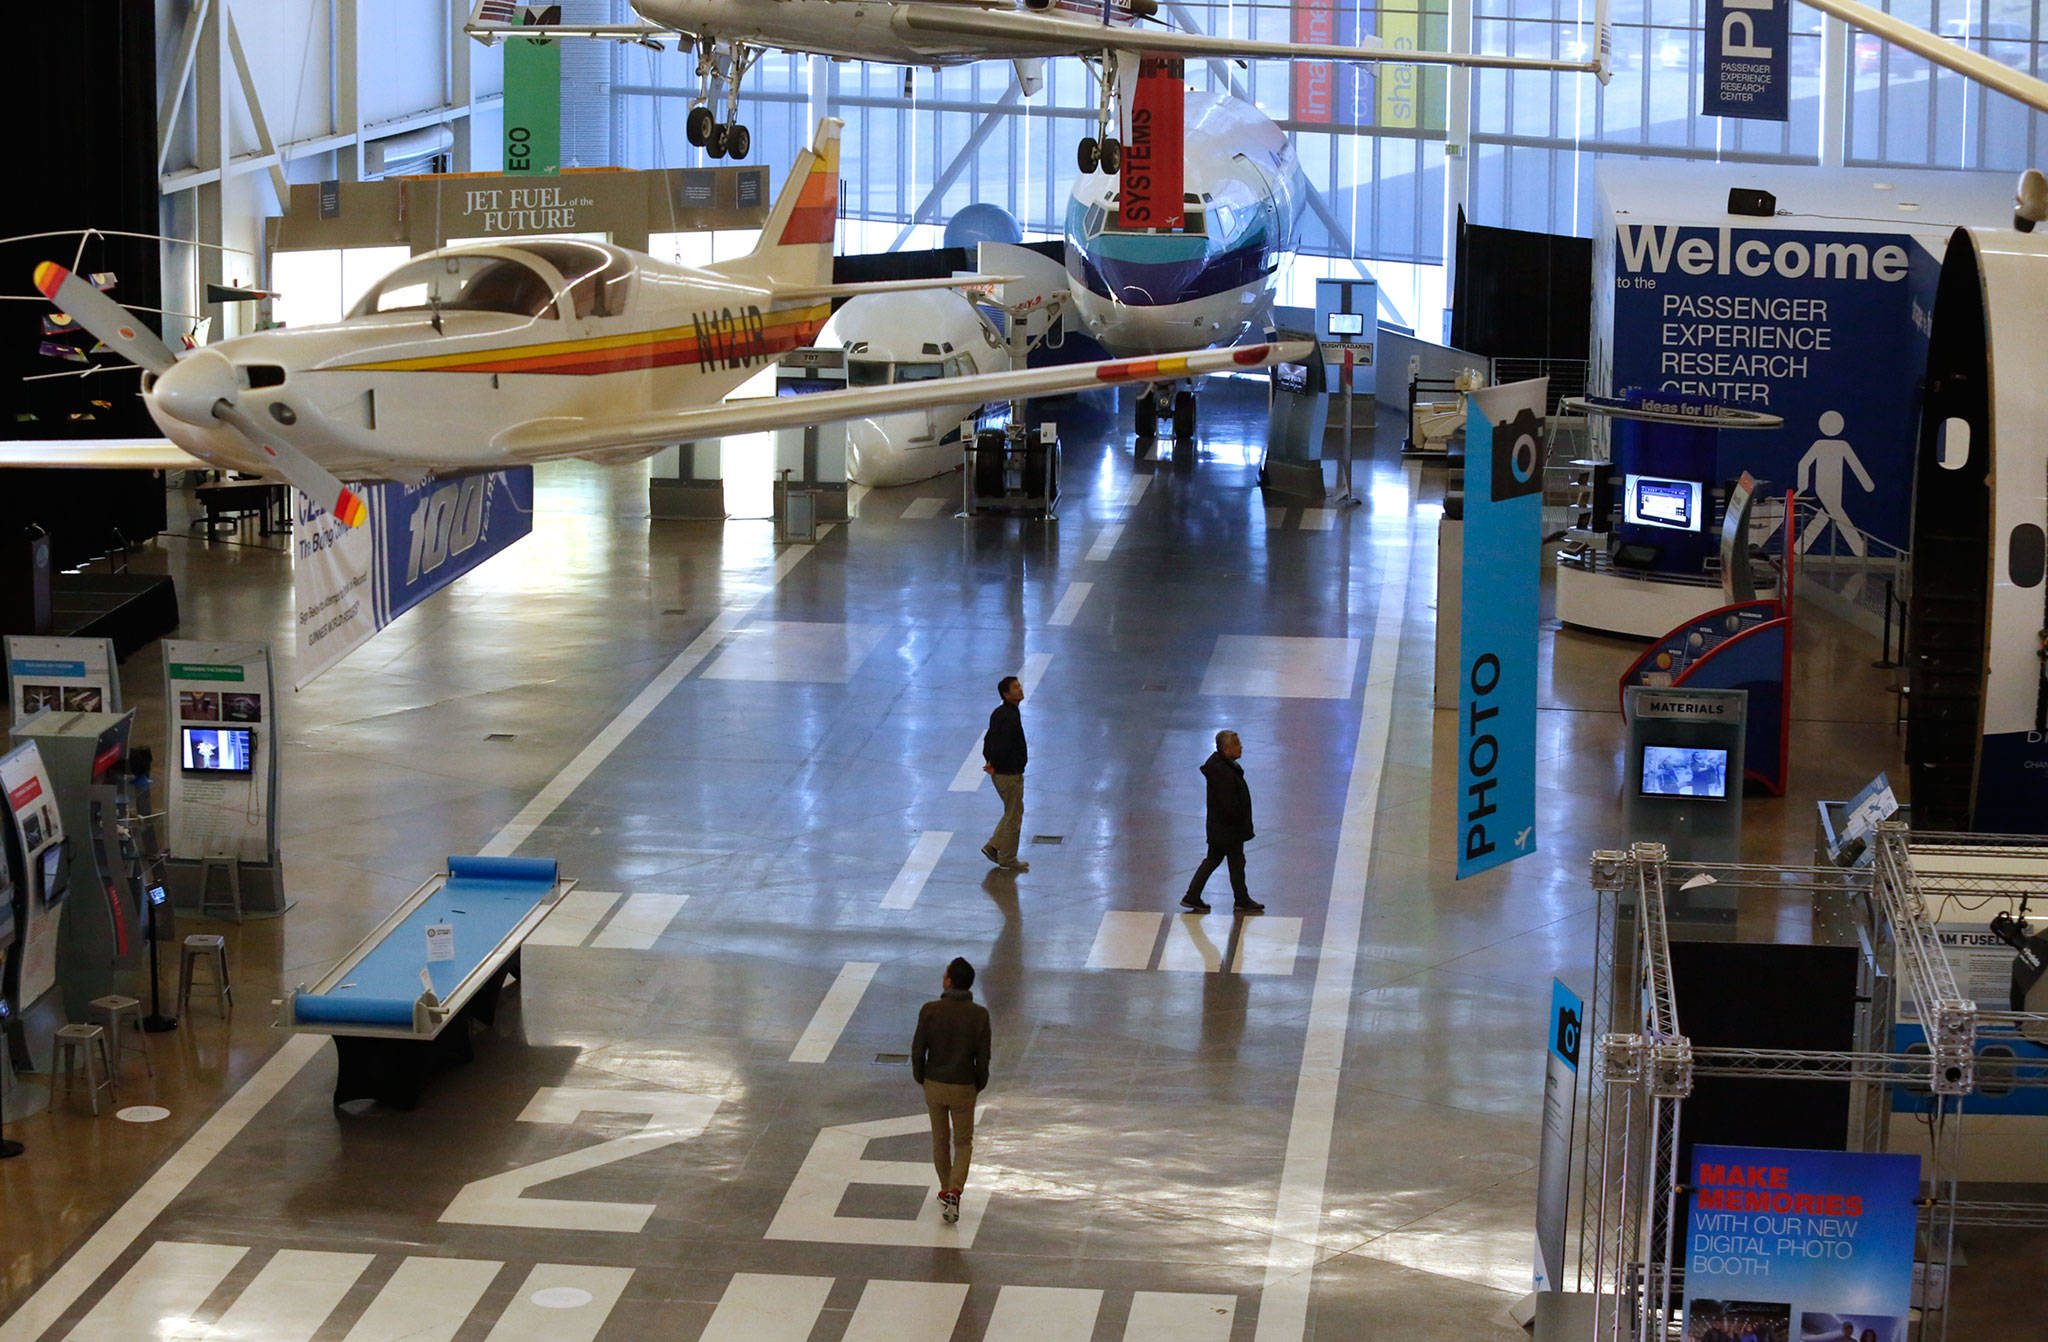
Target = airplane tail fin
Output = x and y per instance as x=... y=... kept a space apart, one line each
x=796 y=243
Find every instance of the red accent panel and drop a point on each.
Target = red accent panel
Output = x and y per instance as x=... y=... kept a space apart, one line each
x=1315 y=82
x=1149 y=182
x=1250 y=355
x=810 y=224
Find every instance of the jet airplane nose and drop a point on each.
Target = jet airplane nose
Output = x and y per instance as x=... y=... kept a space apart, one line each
x=190 y=388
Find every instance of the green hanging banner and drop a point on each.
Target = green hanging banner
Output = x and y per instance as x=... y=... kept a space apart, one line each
x=533 y=101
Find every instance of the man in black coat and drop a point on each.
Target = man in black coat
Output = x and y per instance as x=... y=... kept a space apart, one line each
x=1230 y=826
x=1004 y=754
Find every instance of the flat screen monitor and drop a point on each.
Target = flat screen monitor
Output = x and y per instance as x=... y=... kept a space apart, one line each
x=216 y=750
x=1684 y=771
x=56 y=873
x=1651 y=501
x=1347 y=323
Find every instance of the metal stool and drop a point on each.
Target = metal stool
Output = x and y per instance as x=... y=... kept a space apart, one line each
x=229 y=866
x=78 y=1043
x=205 y=946
x=109 y=1011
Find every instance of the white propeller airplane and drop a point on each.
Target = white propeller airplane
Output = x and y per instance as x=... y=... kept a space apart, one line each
x=730 y=35
x=483 y=357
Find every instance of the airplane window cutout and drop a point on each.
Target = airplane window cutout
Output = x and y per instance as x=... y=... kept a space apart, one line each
x=867 y=372
x=459 y=282
x=598 y=277
x=919 y=372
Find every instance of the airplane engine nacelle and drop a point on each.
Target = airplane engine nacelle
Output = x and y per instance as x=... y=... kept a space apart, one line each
x=1977 y=726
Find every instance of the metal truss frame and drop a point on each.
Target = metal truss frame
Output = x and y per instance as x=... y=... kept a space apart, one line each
x=1630 y=1223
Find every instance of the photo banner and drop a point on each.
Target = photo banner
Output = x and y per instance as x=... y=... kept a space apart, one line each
x=1746 y=73
x=1497 y=619
x=1560 y=1112
x=350 y=583
x=1801 y=1244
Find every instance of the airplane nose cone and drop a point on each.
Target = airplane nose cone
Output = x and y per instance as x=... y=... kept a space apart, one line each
x=867 y=450
x=191 y=387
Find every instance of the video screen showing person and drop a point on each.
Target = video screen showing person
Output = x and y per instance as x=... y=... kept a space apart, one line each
x=1684 y=771
x=217 y=750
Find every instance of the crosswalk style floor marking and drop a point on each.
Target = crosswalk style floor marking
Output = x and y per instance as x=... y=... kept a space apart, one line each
x=1268 y=944
x=773 y=1307
x=636 y=926
x=290 y=1298
x=922 y=508
x=1174 y=1316
x=1044 y=1314
x=575 y=917
x=1125 y=940
x=767 y=1307
x=907 y=1311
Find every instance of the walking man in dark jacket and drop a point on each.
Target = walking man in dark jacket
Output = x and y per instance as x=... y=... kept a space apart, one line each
x=1230 y=826
x=1003 y=756
x=949 y=1058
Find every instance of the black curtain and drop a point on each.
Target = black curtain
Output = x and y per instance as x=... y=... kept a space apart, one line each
x=84 y=80
x=1522 y=295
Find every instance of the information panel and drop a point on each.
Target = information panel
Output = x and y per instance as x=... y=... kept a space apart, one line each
x=64 y=675
x=1800 y=1244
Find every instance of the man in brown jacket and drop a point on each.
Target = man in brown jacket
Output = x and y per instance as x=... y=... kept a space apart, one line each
x=949 y=1058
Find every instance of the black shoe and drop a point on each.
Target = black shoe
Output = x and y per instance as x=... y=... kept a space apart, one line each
x=988 y=850
x=1195 y=902
x=1249 y=906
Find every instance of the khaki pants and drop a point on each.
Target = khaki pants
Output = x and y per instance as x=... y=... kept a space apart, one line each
x=952 y=1110
x=1010 y=787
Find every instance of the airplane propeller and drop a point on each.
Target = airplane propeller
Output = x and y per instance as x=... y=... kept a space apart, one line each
x=202 y=389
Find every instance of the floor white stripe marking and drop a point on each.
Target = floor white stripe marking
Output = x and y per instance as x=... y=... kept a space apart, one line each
x=291 y=1296
x=1070 y=603
x=970 y=775
x=922 y=508
x=638 y=925
x=575 y=917
x=829 y=1021
x=172 y=1177
x=1298 y=1217
x=1174 y=1316
x=524 y=1320
x=426 y=1300
x=1043 y=1314
x=1106 y=542
x=1276 y=519
x=1135 y=490
x=767 y=1307
x=917 y=868
x=907 y=1311
x=1125 y=941
x=1317 y=519
x=170 y=1281
x=1268 y=946
x=1193 y=946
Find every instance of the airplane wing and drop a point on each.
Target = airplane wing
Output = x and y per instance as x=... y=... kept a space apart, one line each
x=544 y=439
x=488 y=23
x=1058 y=37
x=106 y=454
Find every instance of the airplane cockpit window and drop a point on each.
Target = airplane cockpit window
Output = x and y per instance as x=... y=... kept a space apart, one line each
x=462 y=282
x=867 y=372
x=598 y=277
x=923 y=371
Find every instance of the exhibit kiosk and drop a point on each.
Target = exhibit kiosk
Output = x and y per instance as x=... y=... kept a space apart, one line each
x=68 y=675
x=10 y=920
x=36 y=860
x=219 y=775
x=1298 y=416
x=1683 y=786
x=99 y=940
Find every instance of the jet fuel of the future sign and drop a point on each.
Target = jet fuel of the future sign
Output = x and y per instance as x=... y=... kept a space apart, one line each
x=1497 y=616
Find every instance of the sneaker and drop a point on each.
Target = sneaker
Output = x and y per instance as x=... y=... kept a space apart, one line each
x=949 y=1207
x=1016 y=864
x=988 y=850
x=1195 y=902
x=1249 y=906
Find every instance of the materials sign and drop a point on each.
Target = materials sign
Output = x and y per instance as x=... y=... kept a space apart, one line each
x=1503 y=537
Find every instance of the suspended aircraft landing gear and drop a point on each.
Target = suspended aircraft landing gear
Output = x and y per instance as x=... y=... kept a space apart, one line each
x=1148 y=416
x=1101 y=150
x=726 y=139
x=1183 y=418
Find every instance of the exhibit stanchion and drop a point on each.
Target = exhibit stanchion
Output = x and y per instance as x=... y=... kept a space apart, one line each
x=156 y=1022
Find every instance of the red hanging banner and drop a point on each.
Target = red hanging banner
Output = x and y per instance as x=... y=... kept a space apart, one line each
x=1149 y=185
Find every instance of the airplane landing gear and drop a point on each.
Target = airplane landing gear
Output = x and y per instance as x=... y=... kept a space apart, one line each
x=1148 y=416
x=1184 y=417
x=1101 y=150
x=1106 y=154
x=726 y=139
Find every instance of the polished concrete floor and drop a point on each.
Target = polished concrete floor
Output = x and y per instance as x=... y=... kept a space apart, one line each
x=693 y=1118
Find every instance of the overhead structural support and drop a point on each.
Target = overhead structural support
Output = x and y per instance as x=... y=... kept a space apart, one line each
x=1942 y=51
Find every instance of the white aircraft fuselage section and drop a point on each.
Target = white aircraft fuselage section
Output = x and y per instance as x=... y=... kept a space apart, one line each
x=1211 y=282
x=849 y=31
x=897 y=338
x=644 y=337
